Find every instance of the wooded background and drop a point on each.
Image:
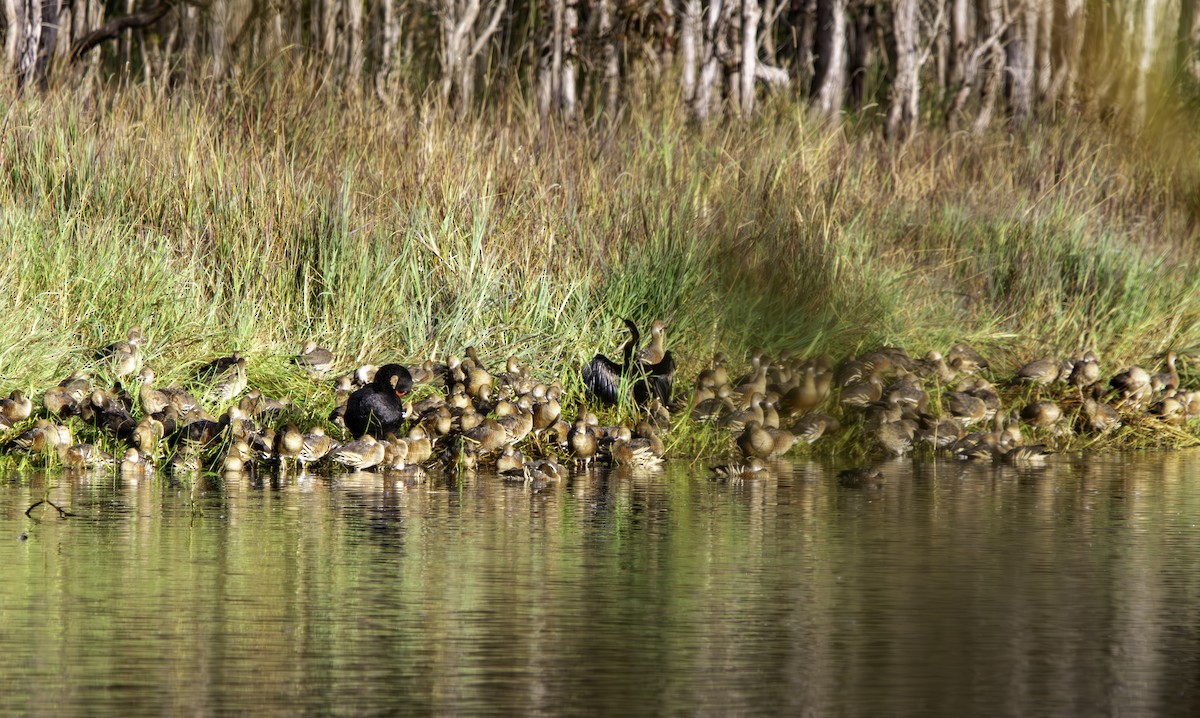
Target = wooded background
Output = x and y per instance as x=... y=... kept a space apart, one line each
x=962 y=63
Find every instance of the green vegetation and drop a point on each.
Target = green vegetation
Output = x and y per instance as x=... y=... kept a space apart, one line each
x=280 y=213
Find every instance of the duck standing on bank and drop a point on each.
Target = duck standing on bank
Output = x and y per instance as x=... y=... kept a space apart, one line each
x=651 y=380
x=377 y=407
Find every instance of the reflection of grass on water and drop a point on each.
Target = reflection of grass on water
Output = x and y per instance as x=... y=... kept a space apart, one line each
x=403 y=233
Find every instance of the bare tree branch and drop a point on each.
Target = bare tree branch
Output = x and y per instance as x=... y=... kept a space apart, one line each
x=489 y=30
x=116 y=26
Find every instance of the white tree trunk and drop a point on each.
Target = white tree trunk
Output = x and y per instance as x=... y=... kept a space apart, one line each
x=354 y=62
x=14 y=20
x=549 y=93
x=1149 y=46
x=466 y=31
x=31 y=31
x=1018 y=53
x=903 y=108
x=570 y=59
x=751 y=14
x=218 y=24
x=1043 y=68
x=388 y=53
x=830 y=63
x=1069 y=53
x=707 y=92
x=329 y=17
x=960 y=36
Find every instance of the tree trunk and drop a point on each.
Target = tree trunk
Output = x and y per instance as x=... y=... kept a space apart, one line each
x=707 y=89
x=387 y=56
x=991 y=21
x=1070 y=52
x=329 y=17
x=355 y=59
x=691 y=34
x=47 y=45
x=751 y=14
x=860 y=41
x=14 y=37
x=766 y=41
x=1018 y=57
x=275 y=33
x=729 y=51
x=126 y=43
x=1043 y=68
x=218 y=25
x=66 y=24
x=806 y=38
x=960 y=36
x=570 y=59
x=31 y=33
x=902 y=111
x=1187 y=43
x=829 y=69
x=1148 y=47
x=190 y=23
x=667 y=37
x=612 y=68
x=550 y=63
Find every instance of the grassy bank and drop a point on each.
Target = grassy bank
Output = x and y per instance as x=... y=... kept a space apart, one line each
x=280 y=213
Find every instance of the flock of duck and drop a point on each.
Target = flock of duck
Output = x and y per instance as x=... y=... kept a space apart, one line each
x=462 y=416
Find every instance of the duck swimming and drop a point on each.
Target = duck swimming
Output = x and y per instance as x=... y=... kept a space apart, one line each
x=377 y=407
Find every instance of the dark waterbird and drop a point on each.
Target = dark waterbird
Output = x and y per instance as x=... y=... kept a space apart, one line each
x=603 y=376
x=376 y=408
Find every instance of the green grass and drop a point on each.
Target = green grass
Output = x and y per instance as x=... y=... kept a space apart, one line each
x=282 y=213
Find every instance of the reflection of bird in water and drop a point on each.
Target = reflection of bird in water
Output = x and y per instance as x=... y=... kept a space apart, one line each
x=737 y=472
x=868 y=477
x=603 y=376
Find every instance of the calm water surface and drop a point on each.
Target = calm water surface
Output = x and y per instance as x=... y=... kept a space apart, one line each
x=956 y=590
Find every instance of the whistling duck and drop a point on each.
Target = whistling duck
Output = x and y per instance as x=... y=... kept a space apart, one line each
x=755 y=441
x=738 y=472
x=1039 y=372
x=1169 y=380
x=86 y=456
x=362 y=454
x=582 y=441
x=602 y=376
x=964 y=359
x=16 y=407
x=862 y=478
x=896 y=437
x=1085 y=372
x=1027 y=455
x=314 y=359
x=654 y=352
x=1101 y=417
x=288 y=444
x=134 y=465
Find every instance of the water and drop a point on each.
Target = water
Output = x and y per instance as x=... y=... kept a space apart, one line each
x=956 y=590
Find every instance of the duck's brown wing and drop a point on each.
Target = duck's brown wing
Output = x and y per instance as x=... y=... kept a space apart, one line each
x=656 y=382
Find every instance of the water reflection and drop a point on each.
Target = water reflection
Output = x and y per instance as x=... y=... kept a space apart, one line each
x=955 y=590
